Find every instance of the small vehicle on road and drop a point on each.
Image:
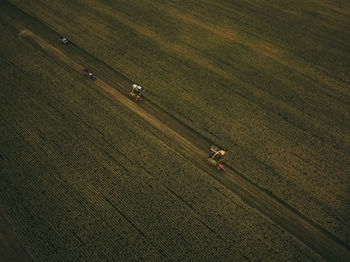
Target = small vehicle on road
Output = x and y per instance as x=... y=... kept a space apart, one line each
x=216 y=156
x=136 y=92
x=89 y=74
x=63 y=40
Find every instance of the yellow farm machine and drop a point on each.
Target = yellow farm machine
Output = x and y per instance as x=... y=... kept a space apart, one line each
x=136 y=92
x=216 y=156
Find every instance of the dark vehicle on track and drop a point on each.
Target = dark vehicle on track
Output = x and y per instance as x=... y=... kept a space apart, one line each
x=89 y=74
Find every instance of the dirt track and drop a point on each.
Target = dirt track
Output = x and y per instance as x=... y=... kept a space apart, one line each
x=194 y=147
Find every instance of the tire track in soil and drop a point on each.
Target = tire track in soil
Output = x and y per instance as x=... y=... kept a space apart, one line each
x=308 y=232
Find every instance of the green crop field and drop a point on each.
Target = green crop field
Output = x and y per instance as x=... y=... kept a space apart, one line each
x=87 y=174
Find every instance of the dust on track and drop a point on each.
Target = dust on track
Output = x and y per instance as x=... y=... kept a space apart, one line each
x=282 y=214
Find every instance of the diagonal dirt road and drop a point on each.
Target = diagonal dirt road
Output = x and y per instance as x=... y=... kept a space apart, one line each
x=282 y=214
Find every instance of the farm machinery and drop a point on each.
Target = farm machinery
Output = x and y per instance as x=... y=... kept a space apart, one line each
x=216 y=156
x=63 y=40
x=89 y=74
x=135 y=92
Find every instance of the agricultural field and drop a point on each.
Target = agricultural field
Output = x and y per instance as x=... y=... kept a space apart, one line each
x=86 y=174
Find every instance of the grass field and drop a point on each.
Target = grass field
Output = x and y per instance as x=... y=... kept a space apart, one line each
x=86 y=174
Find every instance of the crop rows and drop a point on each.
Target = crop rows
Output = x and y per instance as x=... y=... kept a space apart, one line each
x=265 y=79
x=84 y=178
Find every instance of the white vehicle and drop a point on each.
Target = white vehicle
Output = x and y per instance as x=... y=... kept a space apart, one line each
x=63 y=40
